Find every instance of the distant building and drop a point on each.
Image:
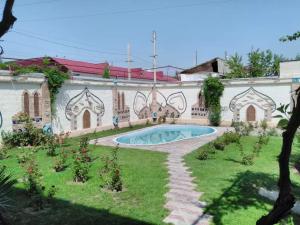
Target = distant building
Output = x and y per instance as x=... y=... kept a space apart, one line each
x=290 y=69
x=215 y=67
x=86 y=70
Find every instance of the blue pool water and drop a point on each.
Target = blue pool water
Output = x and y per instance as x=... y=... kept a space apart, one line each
x=164 y=134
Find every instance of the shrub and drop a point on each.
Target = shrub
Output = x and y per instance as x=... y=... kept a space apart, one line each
x=248 y=160
x=110 y=172
x=3 y=153
x=60 y=161
x=80 y=169
x=24 y=156
x=282 y=124
x=231 y=137
x=219 y=144
x=215 y=116
x=29 y=136
x=243 y=129
x=51 y=146
x=263 y=139
x=264 y=125
x=33 y=178
x=84 y=150
x=202 y=154
x=51 y=193
x=272 y=132
x=213 y=90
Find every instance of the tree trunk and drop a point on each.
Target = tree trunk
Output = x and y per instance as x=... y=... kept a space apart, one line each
x=8 y=19
x=285 y=202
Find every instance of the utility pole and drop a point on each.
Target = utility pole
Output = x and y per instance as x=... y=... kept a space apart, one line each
x=129 y=61
x=154 y=56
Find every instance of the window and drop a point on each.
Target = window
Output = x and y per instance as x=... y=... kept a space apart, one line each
x=36 y=104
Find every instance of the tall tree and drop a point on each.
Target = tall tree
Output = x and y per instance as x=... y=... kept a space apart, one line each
x=8 y=20
x=286 y=200
x=236 y=67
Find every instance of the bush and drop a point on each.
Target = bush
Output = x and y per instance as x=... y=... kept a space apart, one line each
x=202 y=154
x=243 y=129
x=272 y=132
x=33 y=178
x=3 y=153
x=80 y=169
x=213 y=90
x=51 y=193
x=219 y=144
x=231 y=137
x=29 y=136
x=282 y=124
x=24 y=156
x=215 y=116
x=110 y=172
x=264 y=125
x=60 y=161
x=84 y=150
x=248 y=160
x=51 y=146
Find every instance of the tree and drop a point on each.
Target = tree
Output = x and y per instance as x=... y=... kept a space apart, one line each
x=236 y=67
x=286 y=200
x=106 y=73
x=292 y=37
x=8 y=20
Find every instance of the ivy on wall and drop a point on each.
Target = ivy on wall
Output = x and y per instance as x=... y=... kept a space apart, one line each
x=213 y=90
x=55 y=77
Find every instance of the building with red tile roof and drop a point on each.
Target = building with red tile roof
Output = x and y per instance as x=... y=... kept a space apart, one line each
x=96 y=70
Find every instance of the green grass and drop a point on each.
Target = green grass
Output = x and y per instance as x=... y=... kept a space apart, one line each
x=144 y=177
x=231 y=189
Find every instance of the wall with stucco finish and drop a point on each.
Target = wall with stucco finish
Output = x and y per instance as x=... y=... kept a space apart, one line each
x=140 y=100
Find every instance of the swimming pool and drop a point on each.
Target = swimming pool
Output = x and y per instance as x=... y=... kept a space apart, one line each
x=163 y=134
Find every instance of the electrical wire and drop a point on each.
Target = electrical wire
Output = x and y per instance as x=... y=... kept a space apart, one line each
x=123 y=11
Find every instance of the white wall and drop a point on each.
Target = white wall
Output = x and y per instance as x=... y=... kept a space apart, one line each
x=11 y=90
x=11 y=98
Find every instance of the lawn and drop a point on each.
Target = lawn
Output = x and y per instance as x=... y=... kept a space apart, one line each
x=144 y=177
x=231 y=189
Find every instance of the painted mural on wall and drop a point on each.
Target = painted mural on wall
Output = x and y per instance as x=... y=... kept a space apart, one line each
x=121 y=111
x=85 y=103
x=250 y=99
x=172 y=106
x=199 y=111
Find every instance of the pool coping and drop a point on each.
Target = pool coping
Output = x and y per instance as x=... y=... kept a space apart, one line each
x=162 y=125
x=182 y=146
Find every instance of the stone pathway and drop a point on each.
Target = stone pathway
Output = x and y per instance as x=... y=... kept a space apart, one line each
x=182 y=197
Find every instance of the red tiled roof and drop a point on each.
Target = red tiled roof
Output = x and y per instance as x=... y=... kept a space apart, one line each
x=98 y=69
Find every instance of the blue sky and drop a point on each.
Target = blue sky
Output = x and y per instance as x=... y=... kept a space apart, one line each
x=98 y=31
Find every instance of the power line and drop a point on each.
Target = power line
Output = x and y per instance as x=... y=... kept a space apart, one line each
x=137 y=58
x=123 y=11
x=38 y=3
x=65 y=45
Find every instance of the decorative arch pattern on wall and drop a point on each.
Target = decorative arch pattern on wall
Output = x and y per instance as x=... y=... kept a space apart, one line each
x=85 y=100
x=254 y=98
x=36 y=104
x=26 y=103
x=172 y=106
